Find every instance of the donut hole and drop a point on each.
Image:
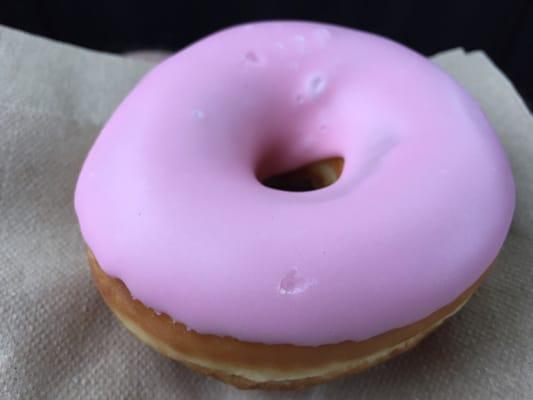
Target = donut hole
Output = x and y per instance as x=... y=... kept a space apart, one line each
x=312 y=176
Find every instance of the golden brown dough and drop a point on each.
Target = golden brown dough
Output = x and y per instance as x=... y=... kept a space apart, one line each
x=257 y=365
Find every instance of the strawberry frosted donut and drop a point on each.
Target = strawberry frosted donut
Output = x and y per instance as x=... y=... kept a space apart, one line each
x=202 y=247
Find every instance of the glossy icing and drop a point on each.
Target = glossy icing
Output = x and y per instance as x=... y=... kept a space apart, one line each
x=169 y=200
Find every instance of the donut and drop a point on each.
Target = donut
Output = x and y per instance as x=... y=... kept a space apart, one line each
x=284 y=203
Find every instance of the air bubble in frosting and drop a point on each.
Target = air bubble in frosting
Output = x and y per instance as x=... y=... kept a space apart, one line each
x=294 y=283
x=316 y=85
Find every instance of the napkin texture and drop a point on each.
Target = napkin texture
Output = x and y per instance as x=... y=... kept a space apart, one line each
x=59 y=341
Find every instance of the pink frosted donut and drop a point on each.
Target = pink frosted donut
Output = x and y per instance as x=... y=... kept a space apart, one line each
x=170 y=199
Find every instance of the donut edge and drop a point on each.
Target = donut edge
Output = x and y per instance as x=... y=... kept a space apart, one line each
x=237 y=370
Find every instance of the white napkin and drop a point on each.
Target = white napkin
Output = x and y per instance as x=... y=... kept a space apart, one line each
x=59 y=341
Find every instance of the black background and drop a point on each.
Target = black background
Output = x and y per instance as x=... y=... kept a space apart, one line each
x=504 y=29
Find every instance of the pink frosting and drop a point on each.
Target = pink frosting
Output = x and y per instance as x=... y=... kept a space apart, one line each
x=169 y=200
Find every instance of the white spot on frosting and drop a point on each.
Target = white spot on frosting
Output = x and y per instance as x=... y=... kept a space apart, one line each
x=299 y=39
x=300 y=43
x=321 y=35
x=295 y=283
x=280 y=45
x=314 y=86
x=308 y=140
x=198 y=114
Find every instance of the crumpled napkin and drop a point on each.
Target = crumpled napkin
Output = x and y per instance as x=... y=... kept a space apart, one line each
x=59 y=341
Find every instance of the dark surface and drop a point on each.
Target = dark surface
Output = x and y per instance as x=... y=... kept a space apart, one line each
x=504 y=29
